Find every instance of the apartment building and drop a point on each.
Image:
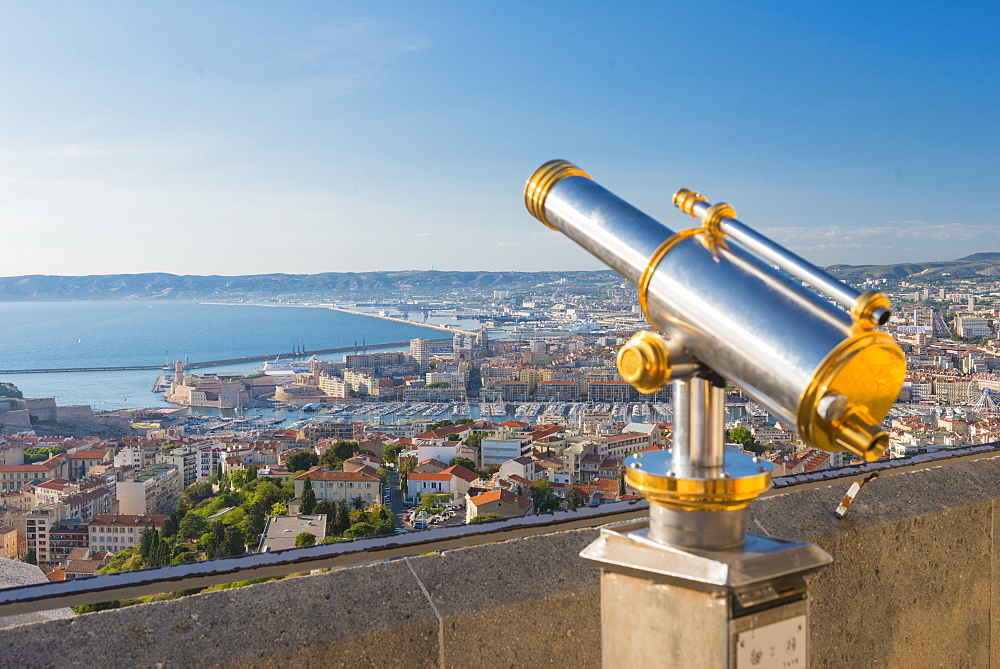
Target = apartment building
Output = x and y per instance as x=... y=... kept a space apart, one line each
x=8 y=542
x=116 y=532
x=51 y=537
x=339 y=486
x=186 y=460
x=153 y=490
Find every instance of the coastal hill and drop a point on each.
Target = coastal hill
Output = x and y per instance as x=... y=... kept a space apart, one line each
x=977 y=265
x=378 y=285
x=330 y=285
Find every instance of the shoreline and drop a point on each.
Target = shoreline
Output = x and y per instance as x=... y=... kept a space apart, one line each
x=403 y=321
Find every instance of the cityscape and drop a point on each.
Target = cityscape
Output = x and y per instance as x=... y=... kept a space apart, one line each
x=527 y=413
x=499 y=334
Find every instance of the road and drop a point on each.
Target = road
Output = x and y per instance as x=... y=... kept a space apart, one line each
x=940 y=327
x=395 y=497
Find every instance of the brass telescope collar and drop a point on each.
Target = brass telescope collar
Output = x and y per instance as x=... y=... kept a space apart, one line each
x=536 y=190
x=685 y=199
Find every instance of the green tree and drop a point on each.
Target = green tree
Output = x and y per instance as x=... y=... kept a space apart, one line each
x=305 y=539
x=333 y=457
x=148 y=538
x=31 y=557
x=542 y=498
x=266 y=494
x=359 y=530
x=382 y=520
x=621 y=484
x=41 y=453
x=358 y=503
x=463 y=421
x=197 y=492
x=171 y=525
x=215 y=542
x=745 y=437
x=238 y=479
x=186 y=556
x=407 y=463
x=438 y=384
x=254 y=523
x=431 y=500
x=234 y=542
x=476 y=440
x=252 y=473
x=487 y=516
x=191 y=527
x=390 y=452
x=576 y=499
x=343 y=517
x=301 y=461
x=464 y=462
x=308 y=498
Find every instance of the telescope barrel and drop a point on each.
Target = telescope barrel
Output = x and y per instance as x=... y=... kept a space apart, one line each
x=787 y=347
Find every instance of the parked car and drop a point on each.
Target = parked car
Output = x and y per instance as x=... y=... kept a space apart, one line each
x=420 y=525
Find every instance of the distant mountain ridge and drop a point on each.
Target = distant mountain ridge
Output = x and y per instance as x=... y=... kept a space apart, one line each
x=342 y=285
x=978 y=265
x=375 y=285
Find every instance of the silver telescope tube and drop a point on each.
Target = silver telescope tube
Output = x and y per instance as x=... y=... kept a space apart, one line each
x=794 y=352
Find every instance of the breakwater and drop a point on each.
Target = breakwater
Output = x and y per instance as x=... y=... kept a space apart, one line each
x=404 y=321
x=227 y=361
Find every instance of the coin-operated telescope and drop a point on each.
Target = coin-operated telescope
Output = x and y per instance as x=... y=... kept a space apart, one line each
x=726 y=304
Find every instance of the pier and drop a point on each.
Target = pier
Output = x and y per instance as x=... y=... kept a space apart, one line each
x=405 y=321
x=227 y=361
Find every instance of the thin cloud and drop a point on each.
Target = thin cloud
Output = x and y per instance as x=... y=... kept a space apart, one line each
x=904 y=241
x=340 y=59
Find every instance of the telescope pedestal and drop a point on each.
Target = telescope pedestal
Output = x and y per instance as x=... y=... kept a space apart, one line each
x=666 y=606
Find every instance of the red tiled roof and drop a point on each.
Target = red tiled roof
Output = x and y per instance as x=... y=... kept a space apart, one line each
x=502 y=496
x=462 y=472
x=87 y=455
x=416 y=476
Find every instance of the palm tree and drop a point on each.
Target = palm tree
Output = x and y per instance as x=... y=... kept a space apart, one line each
x=357 y=503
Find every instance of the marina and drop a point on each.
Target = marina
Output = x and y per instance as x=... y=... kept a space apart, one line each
x=569 y=414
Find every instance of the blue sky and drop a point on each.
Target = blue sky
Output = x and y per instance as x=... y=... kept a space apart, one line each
x=239 y=137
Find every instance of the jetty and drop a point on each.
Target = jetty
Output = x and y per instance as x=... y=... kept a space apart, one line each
x=228 y=361
x=405 y=321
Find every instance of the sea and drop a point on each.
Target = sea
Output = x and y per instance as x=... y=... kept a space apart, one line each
x=60 y=335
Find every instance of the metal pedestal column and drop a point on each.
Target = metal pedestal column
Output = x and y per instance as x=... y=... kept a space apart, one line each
x=688 y=588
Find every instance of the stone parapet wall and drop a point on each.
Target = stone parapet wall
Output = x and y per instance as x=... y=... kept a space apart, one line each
x=912 y=585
